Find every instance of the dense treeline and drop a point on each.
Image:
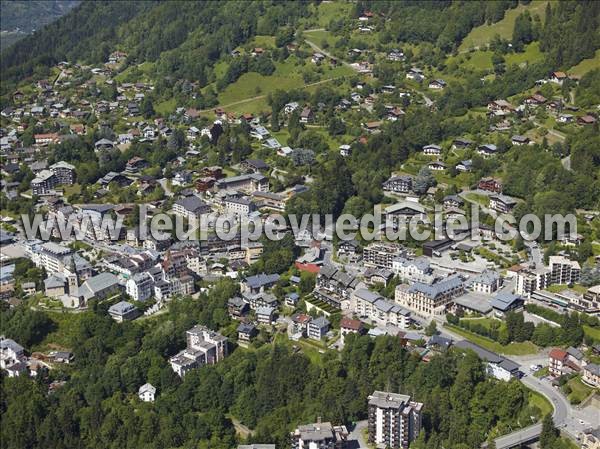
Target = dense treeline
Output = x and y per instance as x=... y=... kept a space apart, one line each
x=270 y=389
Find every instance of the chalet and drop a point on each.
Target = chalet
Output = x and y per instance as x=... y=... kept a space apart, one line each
x=272 y=144
x=398 y=184
x=535 y=99
x=415 y=75
x=259 y=132
x=349 y=249
x=307 y=115
x=317 y=58
x=436 y=166
x=246 y=332
x=265 y=314
x=46 y=139
x=135 y=164
x=372 y=127
x=257 y=51
x=587 y=120
x=558 y=77
x=437 y=84
x=395 y=55
x=394 y=113
x=502 y=203
x=490 y=185
x=114 y=178
x=345 y=150
x=350 y=326
x=465 y=166
x=432 y=150
x=404 y=210
x=290 y=107
x=104 y=145
x=453 y=201
x=520 y=140
x=566 y=118
x=254 y=166
x=487 y=149
x=500 y=107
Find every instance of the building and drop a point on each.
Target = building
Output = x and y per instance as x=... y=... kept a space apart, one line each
x=382 y=255
x=398 y=184
x=101 y=286
x=490 y=185
x=140 y=286
x=432 y=150
x=12 y=356
x=237 y=307
x=557 y=360
x=320 y=435
x=123 y=311
x=317 y=328
x=496 y=365
x=64 y=172
x=334 y=285
x=147 y=392
x=259 y=282
x=591 y=374
x=430 y=300
x=394 y=420
x=43 y=183
x=413 y=270
x=239 y=206
x=204 y=347
x=486 y=282
x=504 y=303
x=191 y=207
x=502 y=203
x=350 y=326
x=265 y=314
x=564 y=270
x=531 y=280
x=246 y=332
x=248 y=183
x=376 y=308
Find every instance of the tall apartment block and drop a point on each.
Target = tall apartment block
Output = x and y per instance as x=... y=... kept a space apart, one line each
x=394 y=420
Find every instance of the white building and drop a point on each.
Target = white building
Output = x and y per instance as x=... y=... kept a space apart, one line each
x=147 y=392
x=140 y=286
x=394 y=420
x=204 y=347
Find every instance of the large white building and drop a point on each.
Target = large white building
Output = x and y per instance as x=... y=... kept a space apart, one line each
x=140 y=286
x=415 y=270
x=564 y=270
x=394 y=420
x=375 y=307
x=204 y=347
x=429 y=300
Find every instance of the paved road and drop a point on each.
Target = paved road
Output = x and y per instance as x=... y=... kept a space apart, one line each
x=356 y=439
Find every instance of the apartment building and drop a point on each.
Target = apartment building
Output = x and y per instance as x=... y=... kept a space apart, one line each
x=204 y=347
x=64 y=172
x=43 y=183
x=564 y=270
x=394 y=420
x=375 y=307
x=382 y=255
x=531 y=280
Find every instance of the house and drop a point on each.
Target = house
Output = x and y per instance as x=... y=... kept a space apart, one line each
x=439 y=343
x=265 y=314
x=46 y=139
x=490 y=185
x=237 y=307
x=436 y=166
x=450 y=201
x=566 y=118
x=557 y=359
x=350 y=249
x=259 y=283
x=437 y=84
x=317 y=58
x=398 y=184
x=246 y=332
x=254 y=165
x=520 y=140
x=415 y=75
x=432 y=150
x=395 y=55
x=591 y=375
x=123 y=311
x=147 y=392
x=465 y=166
x=372 y=127
x=496 y=365
x=502 y=203
x=350 y=326
x=290 y=107
x=259 y=132
x=587 y=120
x=413 y=270
x=535 y=99
x=558 y=77
x=345 y=150
x=317 y=328
x=104 y=145
x=504 y=303
x=487 y=149
x=374 y=276
x=500 y=107
x=320 y=435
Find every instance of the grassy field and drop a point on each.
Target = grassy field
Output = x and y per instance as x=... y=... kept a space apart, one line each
x=477 y=198
x=593 y=332
x=61 y=337
x=586 y=65
x=579 y=391
x=327 y=11
x=524 y=348
x=531 y=54
x=483 y=34
x=320 y=36
x=166 y=107
x=539 y=401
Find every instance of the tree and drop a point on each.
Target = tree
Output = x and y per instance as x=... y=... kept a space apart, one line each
x=549 y=433
x=424 y=180
x=147 y=108
x=431 y=329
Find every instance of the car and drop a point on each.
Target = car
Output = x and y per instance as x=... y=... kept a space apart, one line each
x=535 y=368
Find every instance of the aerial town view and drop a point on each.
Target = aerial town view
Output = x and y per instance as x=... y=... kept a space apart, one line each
x=269 y=224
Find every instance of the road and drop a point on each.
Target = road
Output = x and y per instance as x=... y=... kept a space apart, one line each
x=356 y=439
x=318 y=49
